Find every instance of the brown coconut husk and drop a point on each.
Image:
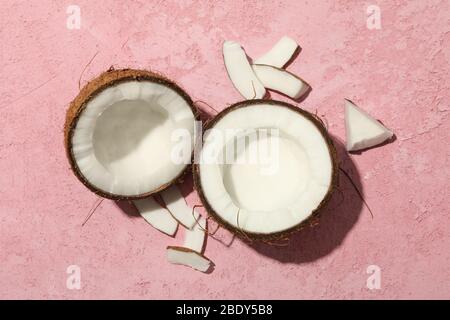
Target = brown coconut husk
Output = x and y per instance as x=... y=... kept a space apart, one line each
x=313 y=219
x=88 y=92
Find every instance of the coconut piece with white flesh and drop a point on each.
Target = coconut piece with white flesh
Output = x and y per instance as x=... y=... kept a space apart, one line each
x=156 y=216
x=280 y=54
x=240 y=71
x=195 y=238
x=177 y=206
x=363 y=131
x=188 y=257
x=118 y=133
x=280 y=80
x=269 y=198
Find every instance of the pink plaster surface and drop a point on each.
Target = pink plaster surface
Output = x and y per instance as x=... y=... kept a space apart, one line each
x=400 y=74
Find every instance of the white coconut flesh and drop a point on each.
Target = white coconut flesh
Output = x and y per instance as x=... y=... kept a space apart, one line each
x=279 y=54
x=194 y=239
x=123 y=139
x=188 y=257
x=278 y=191
x=158 y=217
x=363 y=131
x=177 y=206
x=240 y=71
x=280 y=80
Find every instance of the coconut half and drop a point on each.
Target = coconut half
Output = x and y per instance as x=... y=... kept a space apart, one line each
x=119 y=133
x=276 y=194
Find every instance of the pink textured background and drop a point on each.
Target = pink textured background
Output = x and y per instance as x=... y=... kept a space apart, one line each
x=400 y=74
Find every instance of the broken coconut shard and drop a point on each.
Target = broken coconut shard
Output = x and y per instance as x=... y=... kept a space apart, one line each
x=240 y=72
x=280 y=54
x=188 y=257
x=363 y=131
x=280 y=80
x=195 y=239
x=118 y=133
x=268 y=205
x=177 y=206
x=156 y=216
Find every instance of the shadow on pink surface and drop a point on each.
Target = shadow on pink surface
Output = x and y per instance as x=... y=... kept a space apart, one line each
x=128 y=208
x=335 y=222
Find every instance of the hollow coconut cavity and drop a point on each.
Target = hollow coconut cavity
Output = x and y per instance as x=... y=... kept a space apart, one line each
x=265 y=168
x=119 y=133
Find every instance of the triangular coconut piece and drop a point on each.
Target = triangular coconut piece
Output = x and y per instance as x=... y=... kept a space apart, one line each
x=177 y=206
x=188 y=257
x=160 y=218
x=195 y=238
x=363 y=131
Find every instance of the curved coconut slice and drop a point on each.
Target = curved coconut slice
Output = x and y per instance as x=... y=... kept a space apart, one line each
x=280 y=54
x=291 y=180
x=240 y=72
x=280 y=80
x=195 y=239
x=188 y=257
x=118 y=133
x=362 y=130
x=156 y=216
x=177 y=206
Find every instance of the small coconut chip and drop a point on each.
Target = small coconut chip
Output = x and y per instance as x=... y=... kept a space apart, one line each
x=280 y=80
x=240 y=72
x=268 y=198
x=195 y=239
x=157 y=216
x=177 y=206
x=363 y=131
x=118 y=133
x=188 y=257
x=279 y=54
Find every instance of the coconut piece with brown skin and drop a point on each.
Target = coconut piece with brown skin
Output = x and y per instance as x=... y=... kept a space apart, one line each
x=177 y=206
x=362 y=130
x=265 y=200
x=157 y=216
x=240 y=71
x=118 y=133
x=280 y=54
x=280 y=80
x=195 y=238
x=188 y=257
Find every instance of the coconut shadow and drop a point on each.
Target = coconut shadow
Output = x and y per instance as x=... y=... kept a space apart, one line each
x=335 y=222
x=128 y=208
